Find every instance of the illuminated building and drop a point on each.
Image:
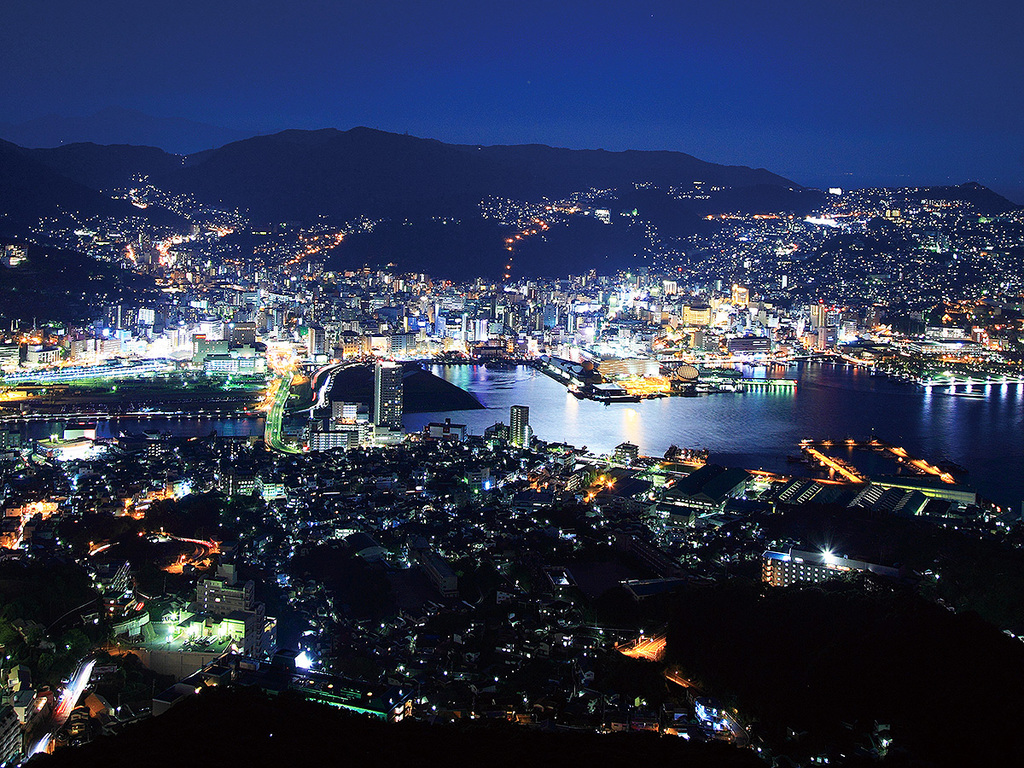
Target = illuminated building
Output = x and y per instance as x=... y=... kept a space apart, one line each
x=229 y=609
x=10 y=439
x=316 y=341
x=401 y=344
x=10 y=356
x=94 y=350
x=445 y=430
x=749 y=345
x=203 y=347
x=520 y=432
x=344 y=412
x=387 y=395
x=10 y=736
x=819 y=316
x=38 y=354
x=440 y=573
x=827 y=337
x=235 y=363
x=242 y=334
x=343 y=435
x=706 y=490
x=69 y=450
x=626 y=453
x=223 y=594
x=698 y=315
x=782 y=569
x=617 y=368
x=14 y=254
x=740 y=295
x=930 y=486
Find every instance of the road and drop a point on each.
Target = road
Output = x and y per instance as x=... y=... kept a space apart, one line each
x=649 y=648
x=222 y=413
x=737 y=733
x=272 y=434
x=322 y=382
x=68 y=700
x=673 y=676
x=201 y=553
x=653 y=649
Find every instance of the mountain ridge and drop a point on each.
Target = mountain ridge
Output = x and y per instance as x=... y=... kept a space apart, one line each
x=299 y=174
x=30 y=189
x=117 y=125
x=425 y=196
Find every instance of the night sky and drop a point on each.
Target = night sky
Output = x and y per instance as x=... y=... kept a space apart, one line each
x=838 y=92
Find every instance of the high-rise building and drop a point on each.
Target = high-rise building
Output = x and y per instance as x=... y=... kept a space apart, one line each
x=10 y=356
x=819 y=316
x=520 y=432
x=387 y=395
x=10 y=736
x=316 y=342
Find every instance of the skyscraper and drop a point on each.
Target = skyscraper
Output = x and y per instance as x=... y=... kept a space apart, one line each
x=387 y=395
x=819 y=316
x=520 y=433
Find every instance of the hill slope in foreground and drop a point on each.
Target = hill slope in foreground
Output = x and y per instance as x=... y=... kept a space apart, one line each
x=244 y=727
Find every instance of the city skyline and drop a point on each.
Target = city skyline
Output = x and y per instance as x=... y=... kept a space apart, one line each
x=553 y=455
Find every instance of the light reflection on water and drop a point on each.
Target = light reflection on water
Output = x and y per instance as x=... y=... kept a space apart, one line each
x=758 y=429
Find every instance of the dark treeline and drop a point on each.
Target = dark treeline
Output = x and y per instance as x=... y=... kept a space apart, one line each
x=244 y=727
x=830 y=662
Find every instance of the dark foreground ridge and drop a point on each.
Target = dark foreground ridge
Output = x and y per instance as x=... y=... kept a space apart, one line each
x=815 y=667
x=245 y=727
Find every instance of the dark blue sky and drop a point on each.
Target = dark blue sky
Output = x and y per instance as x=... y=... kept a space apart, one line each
x=830 y=92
